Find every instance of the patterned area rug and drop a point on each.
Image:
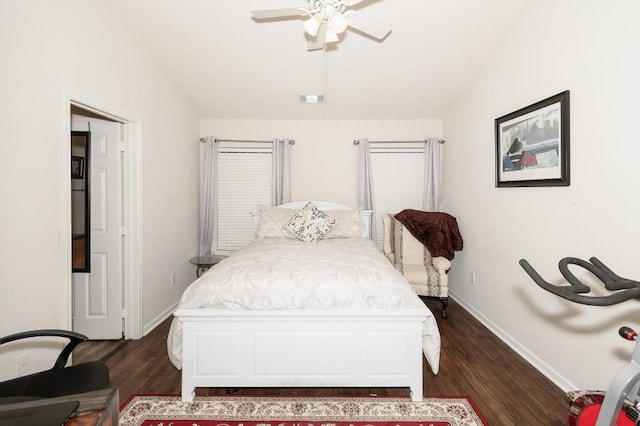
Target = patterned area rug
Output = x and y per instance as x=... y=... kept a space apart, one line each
x=278 y=411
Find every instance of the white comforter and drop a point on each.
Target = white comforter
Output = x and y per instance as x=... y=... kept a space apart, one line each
x=290 y=274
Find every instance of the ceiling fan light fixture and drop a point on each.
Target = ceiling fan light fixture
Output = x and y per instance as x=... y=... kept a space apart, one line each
x=330 y=35
x=339 y=22
x=312 y=25
x=324 y=20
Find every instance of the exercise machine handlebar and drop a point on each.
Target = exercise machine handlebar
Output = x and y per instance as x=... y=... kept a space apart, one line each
x=622 y=289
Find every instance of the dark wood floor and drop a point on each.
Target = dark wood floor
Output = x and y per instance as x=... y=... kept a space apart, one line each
x=474 y=362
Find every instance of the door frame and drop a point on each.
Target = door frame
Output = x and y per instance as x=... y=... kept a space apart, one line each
x=131 y=205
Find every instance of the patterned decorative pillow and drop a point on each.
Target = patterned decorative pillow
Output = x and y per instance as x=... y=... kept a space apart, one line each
x=348 y=224
x=309 y=224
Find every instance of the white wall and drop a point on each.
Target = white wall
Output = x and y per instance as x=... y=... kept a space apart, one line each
x=591 y=48
x=324 y=159
x=82 y=49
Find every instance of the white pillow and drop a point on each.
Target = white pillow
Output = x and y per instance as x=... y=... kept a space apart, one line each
x=309 y=224
x=271 y=222
x=348 y=224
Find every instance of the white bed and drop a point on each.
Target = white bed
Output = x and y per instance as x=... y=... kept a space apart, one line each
x=287 y=313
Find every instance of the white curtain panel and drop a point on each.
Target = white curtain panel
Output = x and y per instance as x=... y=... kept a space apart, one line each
x=281 y=184
x=433 y=175
x=365 y=181
x=208 y=197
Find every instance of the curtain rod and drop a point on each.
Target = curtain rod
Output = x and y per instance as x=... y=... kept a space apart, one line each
x=357 y=142
x=291 y=141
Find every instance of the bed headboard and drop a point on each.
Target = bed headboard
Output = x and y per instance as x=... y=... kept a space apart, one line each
x=365 y=215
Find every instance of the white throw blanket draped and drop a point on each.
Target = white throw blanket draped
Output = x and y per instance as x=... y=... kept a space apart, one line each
x=272 y=274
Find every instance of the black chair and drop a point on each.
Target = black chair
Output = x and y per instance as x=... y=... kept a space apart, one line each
x=59 y=380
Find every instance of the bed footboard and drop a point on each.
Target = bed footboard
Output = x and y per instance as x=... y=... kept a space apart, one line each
x=235 y=349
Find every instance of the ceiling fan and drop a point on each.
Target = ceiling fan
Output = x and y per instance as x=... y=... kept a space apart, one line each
x=328 y=18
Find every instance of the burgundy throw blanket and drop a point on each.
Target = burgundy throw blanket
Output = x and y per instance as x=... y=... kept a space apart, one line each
x=437 y=231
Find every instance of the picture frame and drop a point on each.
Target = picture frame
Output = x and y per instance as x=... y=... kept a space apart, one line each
x=77 y=167
x=532 y=144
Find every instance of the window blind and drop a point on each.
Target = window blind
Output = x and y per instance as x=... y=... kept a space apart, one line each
x=398 y=182
x=244 y=182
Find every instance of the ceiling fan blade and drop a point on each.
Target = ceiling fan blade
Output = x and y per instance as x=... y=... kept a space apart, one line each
x=371 y=26
x=350 y=3
x=317 y=43
x=279 y=13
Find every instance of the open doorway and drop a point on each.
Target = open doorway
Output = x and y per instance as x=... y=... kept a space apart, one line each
x=104 y=297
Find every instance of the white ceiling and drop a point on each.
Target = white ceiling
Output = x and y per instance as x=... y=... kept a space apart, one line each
x=231 y=66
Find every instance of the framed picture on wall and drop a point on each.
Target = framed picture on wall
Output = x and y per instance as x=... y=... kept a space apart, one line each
x=532 y=144
x=77 y=167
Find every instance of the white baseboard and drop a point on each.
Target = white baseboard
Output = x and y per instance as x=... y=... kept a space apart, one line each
x=148 y=328
x=514 y=344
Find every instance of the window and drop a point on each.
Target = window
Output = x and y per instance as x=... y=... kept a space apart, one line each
x=244 y=183
x=398 y=181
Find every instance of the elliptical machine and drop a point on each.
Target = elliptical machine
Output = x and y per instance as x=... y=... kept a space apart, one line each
x=621 y=403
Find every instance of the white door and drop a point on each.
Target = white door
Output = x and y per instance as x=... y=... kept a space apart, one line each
x=97 y=295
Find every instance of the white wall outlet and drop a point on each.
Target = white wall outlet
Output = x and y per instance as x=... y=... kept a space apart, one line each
x=22 y=363
x=173 y=278
x=472 y=278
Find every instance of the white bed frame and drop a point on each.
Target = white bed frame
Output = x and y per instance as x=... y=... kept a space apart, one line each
x=302 y=348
